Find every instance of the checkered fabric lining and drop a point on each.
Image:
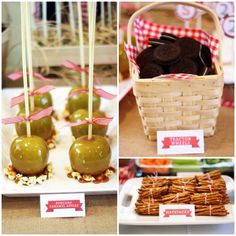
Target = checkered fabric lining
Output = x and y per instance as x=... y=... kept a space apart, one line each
x=126 y=172
x=225 y=103
x=144 y=30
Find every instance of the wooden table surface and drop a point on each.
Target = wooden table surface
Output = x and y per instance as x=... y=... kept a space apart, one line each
x=22 y=216
x=133 y=142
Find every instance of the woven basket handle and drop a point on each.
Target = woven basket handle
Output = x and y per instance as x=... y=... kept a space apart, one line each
x=197 y=5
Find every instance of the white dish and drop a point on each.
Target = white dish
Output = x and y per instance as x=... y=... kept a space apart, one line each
x=60 y=183
x=124 y=88
x=129 y=196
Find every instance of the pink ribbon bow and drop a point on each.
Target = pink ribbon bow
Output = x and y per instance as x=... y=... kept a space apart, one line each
x=19 y=99
x=36 y=116
x=18 y=75
x=72 y=66
x=97 y=121
x=99 y=92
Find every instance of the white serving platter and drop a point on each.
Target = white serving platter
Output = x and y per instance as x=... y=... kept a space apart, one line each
x=129 y=196
x=60 y=183
x=124 y=87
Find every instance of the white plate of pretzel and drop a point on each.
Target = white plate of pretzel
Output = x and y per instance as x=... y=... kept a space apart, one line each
x=140 y=198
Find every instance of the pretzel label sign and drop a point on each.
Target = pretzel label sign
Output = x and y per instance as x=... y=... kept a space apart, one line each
x=62 y=205
x=180 y=142
x=178 y=212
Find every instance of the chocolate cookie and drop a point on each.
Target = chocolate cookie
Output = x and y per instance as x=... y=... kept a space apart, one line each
x=185 y=66
x=167 y=54
x=168 y=37
x=204 y=71
x=145 y=57
x=205 y=55
x=189 y=47
x=157 y=42
x=204 y=60
x=151 y=70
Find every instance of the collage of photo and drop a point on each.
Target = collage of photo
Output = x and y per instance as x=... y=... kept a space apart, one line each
x=118 y=117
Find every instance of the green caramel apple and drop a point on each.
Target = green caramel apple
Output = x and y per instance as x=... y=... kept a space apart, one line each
x=29 y=155
x=40 y=101
x=81 y=130
x=90 y=156
x=80 y=101
x=42 y=127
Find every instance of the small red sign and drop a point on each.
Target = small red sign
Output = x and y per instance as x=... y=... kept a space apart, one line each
x=180 y=141
x=177 y=212
x=64 y=204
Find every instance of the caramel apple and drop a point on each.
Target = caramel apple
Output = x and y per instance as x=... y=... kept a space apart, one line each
x=80 y=130
x=29 y=155
x=90 y=156
x=40 y=101
x=80 y=101
x=42 y=127
x=123 y=61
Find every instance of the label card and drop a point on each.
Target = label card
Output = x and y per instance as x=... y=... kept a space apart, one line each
x=62 y=205
x=177 y=212
x=180 y=142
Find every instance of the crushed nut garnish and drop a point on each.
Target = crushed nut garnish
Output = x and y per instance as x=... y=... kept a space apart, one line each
x=66 y=115
x=20 y=179
x=87 y=178
x=51 y=142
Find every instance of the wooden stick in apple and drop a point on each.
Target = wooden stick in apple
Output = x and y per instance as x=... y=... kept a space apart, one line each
x=29 y=54
x=24 y=68
x=92 y=21
x=81 y=43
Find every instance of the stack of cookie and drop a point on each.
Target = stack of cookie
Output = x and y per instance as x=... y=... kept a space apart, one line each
x=172 y=55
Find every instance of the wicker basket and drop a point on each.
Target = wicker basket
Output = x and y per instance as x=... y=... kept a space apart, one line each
x=170 y=104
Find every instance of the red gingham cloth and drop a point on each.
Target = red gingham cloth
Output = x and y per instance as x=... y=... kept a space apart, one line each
x=178 y=76
x=126 y=172
x=225 y=103
x=144 y=30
